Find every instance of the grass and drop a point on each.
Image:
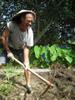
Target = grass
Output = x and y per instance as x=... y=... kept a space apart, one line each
x=9 y=72
x=6 y=87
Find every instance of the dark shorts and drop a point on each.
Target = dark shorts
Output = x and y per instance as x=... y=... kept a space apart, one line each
x=18 y=53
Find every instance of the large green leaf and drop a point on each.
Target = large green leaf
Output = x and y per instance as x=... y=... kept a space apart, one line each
x=66 y=51
x=53 y=49
x=53 y=58
x=53 y=52
x=37 y=51
x=44 y=50
x=69 y=59
x=59 y=51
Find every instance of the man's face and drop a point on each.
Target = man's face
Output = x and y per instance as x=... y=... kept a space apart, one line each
x=27 y=19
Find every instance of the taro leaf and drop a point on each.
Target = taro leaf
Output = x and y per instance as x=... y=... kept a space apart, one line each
x=52 y=49
x=53 y=52
x=37 y=51
x=59 y=51
x=66 y=51
x=69 y=59
x=53 y=58
x=44 y=51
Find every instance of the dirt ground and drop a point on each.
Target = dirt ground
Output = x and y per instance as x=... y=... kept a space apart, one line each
x=63 y=80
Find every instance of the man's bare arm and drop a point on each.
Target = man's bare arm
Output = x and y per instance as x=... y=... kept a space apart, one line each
x=5 y=36
x=26 y=56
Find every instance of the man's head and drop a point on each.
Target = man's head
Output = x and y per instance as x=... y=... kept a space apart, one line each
x=25 y=17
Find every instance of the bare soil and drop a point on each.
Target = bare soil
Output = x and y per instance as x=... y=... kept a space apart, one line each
x=62 y=78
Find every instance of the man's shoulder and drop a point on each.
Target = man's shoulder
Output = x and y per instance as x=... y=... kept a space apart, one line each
x=10 y=22
x=11 y=25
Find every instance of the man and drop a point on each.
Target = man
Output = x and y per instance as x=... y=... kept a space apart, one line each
x=18 y=35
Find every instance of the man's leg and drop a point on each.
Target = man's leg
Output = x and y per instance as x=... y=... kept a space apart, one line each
x=27 y=75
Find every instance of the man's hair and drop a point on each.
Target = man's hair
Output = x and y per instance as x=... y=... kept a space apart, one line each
x=17 y=19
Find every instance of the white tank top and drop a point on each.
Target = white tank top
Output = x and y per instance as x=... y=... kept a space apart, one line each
x=18 y=39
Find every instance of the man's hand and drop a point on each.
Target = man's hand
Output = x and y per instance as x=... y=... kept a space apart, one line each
x=10 y=55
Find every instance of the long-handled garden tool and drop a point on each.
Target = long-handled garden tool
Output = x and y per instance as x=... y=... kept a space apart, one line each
x=46 y=81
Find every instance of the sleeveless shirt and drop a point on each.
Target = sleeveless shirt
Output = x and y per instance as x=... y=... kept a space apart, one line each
x=18 y=39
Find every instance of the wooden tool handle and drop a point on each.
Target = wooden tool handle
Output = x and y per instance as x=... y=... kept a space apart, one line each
x=46 y=81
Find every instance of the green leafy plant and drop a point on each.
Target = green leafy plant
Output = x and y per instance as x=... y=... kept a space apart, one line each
x=6 y=87
x=11 y=71
x=45 y=55
x=61 y=53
